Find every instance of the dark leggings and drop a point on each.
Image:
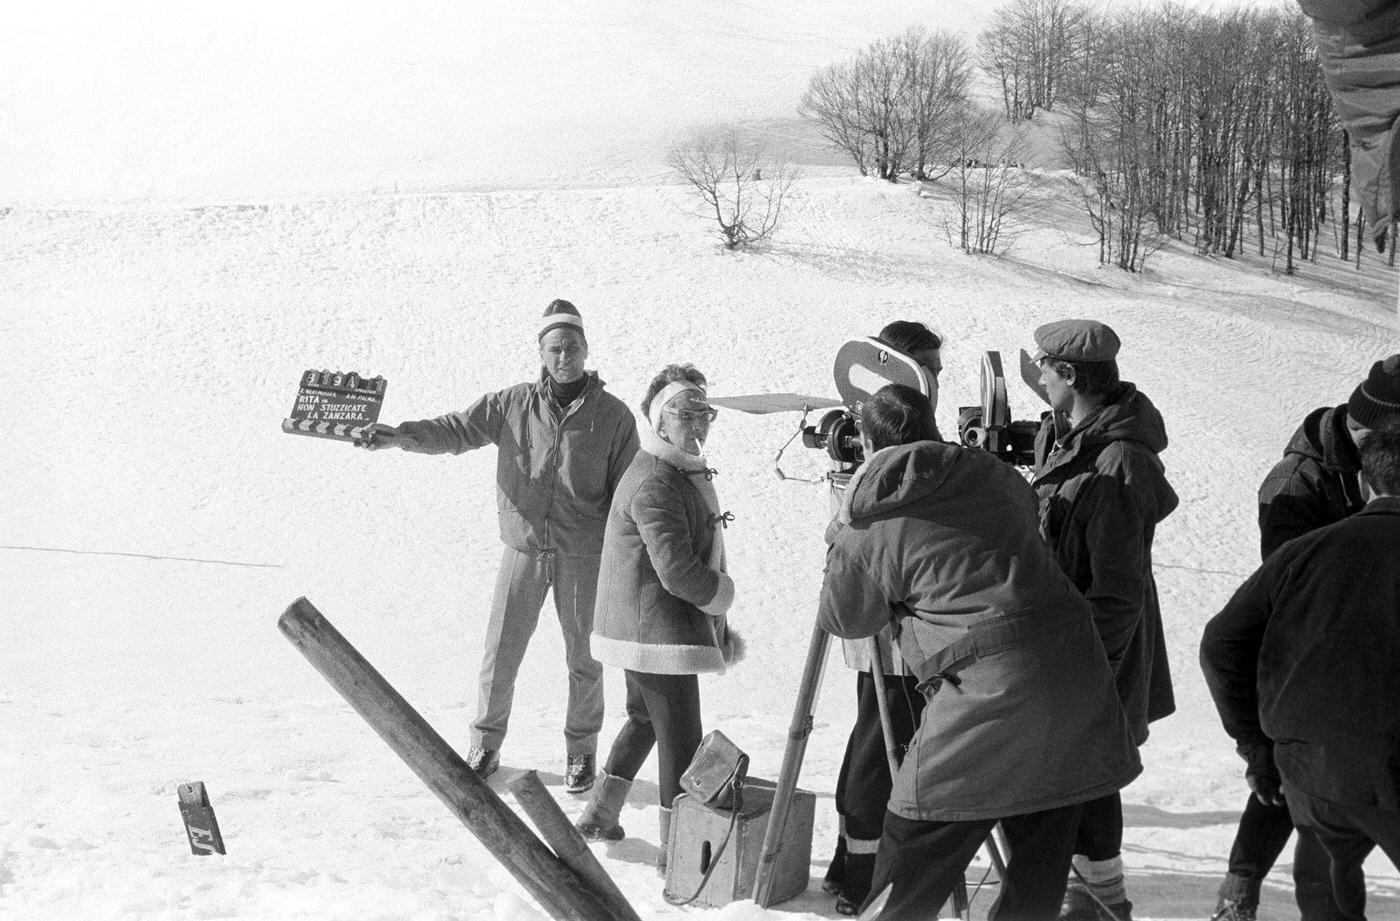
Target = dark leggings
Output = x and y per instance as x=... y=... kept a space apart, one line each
x=864 y=784
x=662 y=711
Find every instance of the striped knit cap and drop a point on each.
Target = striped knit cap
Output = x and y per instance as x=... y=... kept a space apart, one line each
x=560 y=313
x=1378 y=395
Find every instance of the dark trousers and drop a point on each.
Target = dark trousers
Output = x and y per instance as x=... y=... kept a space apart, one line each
x=662 y=711
x=1260 y=839
x=864 y=784
x=1100 y=833
x=1348 y=834
x=925 y=860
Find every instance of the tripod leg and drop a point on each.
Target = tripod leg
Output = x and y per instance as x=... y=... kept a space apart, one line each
x=877 y=673
x=962 y=907
x=996 y=847
x=803 y=715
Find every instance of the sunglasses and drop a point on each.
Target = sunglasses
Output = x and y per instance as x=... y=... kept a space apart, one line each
x=693 y=415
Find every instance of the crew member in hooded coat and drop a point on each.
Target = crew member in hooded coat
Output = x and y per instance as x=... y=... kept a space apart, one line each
x=1022 y=723
x=1102 y=491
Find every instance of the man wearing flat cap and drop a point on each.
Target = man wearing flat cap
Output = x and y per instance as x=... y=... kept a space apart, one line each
x=1102 y=490
x=563 y=444
x=1318 y=482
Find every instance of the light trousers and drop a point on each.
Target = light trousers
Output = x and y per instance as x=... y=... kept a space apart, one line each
x=521 y=585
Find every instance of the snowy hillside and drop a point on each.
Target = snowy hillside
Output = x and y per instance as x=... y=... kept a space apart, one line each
x=157 y=521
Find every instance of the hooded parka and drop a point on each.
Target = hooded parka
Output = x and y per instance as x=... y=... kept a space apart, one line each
x=1317 y=483
x=1102 y=490
x=1022 y=715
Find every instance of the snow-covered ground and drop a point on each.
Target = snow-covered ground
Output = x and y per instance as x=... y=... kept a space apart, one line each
x=159 y=304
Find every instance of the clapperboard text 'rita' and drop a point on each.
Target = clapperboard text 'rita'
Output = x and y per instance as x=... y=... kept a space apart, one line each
x=335 y=404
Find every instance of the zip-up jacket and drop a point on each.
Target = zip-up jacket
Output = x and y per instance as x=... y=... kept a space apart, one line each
x=556 y=468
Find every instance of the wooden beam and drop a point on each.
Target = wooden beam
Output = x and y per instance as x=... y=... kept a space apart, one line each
x=495 y=825
x=559 y=833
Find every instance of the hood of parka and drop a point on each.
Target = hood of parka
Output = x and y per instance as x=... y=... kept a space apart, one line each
x=1323 y=437
x=900 y=475
x=1128 y=416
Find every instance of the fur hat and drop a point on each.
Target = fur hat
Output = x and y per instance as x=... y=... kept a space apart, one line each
x=1378 y=395
x=1076 y=340
x=560 y=313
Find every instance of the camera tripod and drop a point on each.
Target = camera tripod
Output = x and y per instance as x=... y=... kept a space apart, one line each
x=799 y=730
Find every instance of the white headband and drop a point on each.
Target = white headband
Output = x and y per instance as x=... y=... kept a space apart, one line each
x=661 y=399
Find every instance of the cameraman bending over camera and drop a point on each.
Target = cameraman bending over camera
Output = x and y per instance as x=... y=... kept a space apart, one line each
x=1102 y=491
x=863 y=786
x=1022 y=722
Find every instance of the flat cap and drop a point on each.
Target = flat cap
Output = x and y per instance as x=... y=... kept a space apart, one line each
x=1076 y=340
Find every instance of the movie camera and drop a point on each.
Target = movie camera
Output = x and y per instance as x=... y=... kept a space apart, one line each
x=863 y=366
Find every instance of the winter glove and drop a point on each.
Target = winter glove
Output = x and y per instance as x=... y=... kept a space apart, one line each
x=1261 y=773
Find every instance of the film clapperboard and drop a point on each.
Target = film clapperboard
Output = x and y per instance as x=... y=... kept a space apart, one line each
x=335 y=404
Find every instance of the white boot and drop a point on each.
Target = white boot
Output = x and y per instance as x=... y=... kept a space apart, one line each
x=665 y=842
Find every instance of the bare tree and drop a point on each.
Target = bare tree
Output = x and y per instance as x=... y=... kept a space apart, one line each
x=885 y=106
x=1034 y=46
x=988 y=184
x=1215 y=123
x=737 y=182
x=938 y=67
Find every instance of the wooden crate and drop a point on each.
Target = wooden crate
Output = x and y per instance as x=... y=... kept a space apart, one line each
x=697 y=832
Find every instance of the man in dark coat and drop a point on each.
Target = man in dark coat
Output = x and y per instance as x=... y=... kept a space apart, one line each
x=1301 y=665
x=1316 y=483
x=1023 y=723
x=1102 y=491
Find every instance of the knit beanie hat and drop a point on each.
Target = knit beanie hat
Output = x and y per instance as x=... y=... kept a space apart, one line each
x=560 y=313
x=1378 y=395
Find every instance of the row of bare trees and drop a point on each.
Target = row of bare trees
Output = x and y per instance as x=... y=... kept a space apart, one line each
x=1212 y=127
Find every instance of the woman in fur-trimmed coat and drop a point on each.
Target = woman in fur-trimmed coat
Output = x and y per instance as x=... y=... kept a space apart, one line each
x=662 y=596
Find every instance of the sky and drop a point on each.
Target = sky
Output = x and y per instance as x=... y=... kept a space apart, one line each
x=132 y=101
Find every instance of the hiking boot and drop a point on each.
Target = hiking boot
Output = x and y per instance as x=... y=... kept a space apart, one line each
x=1234 y=910
x=1117 y=911
x=579 y=773
x=484 y=761
x=1079 y=905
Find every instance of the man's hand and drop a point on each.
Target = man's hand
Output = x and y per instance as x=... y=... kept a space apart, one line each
x=1266 y=788
x=378 y=435
x=1262 y=774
